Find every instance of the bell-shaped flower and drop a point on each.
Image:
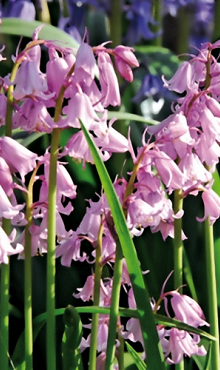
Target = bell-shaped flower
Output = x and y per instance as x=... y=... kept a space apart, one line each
x=6 y=248
x=56 y=71
x=187 y=310
x=84 y=69
x=182 y=343
x=108 y=81
x=33 y=116
x=178 y=83
x=110 y=140
x=29 y=79
x=211 y=204
x=6 y=208
x=194 y=171
x=6 y=180
x=69 y=249
x=77 y=148
x=79 y=107
x=18 y=158
x=86 y=293
x=207 y=154
x=168 y=170
x=210 y=126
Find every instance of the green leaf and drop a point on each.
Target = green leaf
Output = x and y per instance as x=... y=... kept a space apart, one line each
x=131 y=117
x=18 y=354
x=71 y=340
x=150 y=337
x=136 y=357
x=19 y=27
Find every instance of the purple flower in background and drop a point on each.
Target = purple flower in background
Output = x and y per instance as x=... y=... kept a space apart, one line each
x=23 y=9
x=152 y=86
x=203 y=14
x=139 y=16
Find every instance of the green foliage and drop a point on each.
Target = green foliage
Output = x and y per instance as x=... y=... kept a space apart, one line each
x=71 y=340
x=15 y=26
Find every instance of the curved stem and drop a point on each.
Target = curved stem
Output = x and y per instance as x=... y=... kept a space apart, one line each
x=114 y=309
x=95 y=316
x=212 y=293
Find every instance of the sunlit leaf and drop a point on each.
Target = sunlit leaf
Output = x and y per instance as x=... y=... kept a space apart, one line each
x=20 y=27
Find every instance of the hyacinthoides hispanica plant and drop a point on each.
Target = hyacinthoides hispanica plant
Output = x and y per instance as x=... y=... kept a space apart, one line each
x=178 y=156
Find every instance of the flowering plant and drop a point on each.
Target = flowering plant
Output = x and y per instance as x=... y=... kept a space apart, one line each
x=97 y=209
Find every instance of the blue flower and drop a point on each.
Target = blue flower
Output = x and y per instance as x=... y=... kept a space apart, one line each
x=138 y=13
x=152 y=86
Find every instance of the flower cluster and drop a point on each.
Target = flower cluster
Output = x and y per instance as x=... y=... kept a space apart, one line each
x=180 y=154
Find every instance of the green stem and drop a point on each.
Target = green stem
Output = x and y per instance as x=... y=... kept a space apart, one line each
x=115 y=22
x=183 y=31
x=216 y=30
x=178 y=251
x=28 y=277
x=120 y=354
x=114 y=309
x=95 y=316
x=157 y=16
x=10 y=98
x=42 y=10
x=5 y=274
x=5 y=268
x=212 y=294
x=51 y=230
x=51 y=244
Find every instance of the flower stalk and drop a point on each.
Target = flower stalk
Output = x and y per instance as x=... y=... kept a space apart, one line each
x=28 y=276
x=6 y=225
x=95 y=316
x=51 y=244
x=114 y=309
x=178 y=251
x=212 y=293
x=5 y=279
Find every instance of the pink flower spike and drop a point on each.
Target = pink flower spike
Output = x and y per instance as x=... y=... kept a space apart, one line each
x=124 y=58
